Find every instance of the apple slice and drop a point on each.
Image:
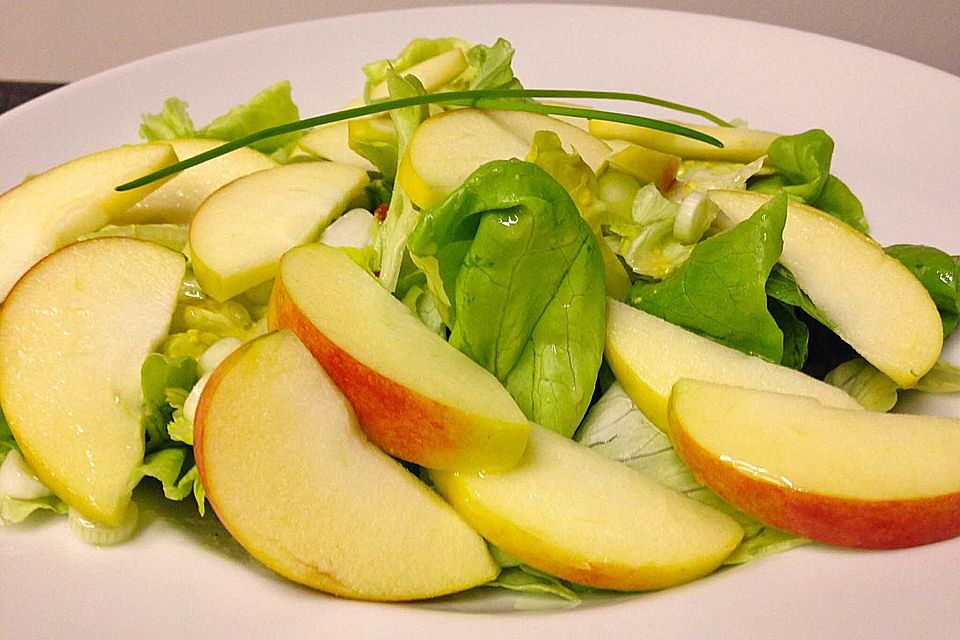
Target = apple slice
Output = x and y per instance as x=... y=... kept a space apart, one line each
x=73 y=334
x=849 y=478
x=432 y=73
x=591 y=149
x=416 y=396
x=646 y=165
x=54 y=208
x=648 y=355
x=739 y=145
x=177 y=200
x=332 y=142
x=239 y=233
x=877 y=306
x=576 y=514
x=450 y=146
x=294 y=480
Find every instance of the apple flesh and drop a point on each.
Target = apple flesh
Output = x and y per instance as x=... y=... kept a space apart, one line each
x=177 y=200
x=52 y=209
x=877 y=306
x=432 y=73
x=239 y=233
x=295 y=481
x=416 y=396
x=573 y=513
x=450 y=146
x=73 y=334
x=646 y=165
x=848 y=478
x=739 y=145
x=648 y=355
x=332 y=142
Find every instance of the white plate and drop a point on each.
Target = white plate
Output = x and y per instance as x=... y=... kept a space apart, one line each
x=898 y=146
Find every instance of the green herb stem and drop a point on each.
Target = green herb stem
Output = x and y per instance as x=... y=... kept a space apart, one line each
x=499 y=99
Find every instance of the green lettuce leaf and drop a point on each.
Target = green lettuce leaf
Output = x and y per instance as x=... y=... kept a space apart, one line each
x=942 y=378
x=525 y=277
x=171 y=123
x=402 y=216
x=616 y=428
x=796 y=335
x=525 y=579
x=175 y=469
x=647 y=243
x=803 y=173
x=490 y=67
x=940 y=275
x=6 y=437
x=159 y=374
x=782 y=286
x=719 y=292
x=416 y=51
x=15 y=510
x=865 y=384
x=271 y=107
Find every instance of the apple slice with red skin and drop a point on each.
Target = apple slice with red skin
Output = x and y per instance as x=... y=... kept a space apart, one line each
x=295 y=481
x=848 y=478
x=416 y=396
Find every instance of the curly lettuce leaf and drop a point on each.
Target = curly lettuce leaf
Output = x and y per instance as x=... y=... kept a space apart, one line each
x=877 y=392
x=174 y=467
x=940 y=274
x=6 y=436
x=271 y=107
x=15 y=510
x=616 y=428
x=490 y=67
x=158 y=375
x=719 y=292
x=524 y=275
x=416 y=51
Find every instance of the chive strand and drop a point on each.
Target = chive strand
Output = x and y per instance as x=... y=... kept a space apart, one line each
x=500 y=99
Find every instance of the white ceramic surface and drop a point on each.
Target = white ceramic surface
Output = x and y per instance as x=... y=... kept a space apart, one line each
x=898 y=146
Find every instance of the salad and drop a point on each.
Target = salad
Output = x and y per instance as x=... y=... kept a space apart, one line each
x=509 y=263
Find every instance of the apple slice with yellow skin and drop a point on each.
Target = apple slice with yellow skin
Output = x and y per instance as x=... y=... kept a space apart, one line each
x=848 y=478
x=591 y=149
x=448 y=147
x=73 y=335
x=432 y=73
x=416 y=396
x=876 y=305
x=331 y=142
x=177 y=200
x=648 y=355
x=739 y=145
x=293 y=478
x=578 y=515
x=646 y=165
x=55 y=207
x=239 y=233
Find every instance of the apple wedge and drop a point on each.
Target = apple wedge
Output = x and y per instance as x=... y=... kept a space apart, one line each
x=432 y=73
x=332 y=142
x=73 y=334
x=876 y=305
x=54 y=208
x=739 y=145
x=295 y=481
x=849 y=478
x=576 y=514
x=450 y=146
x=591 y=149
x=239 y=233
x=646 y=165
x=416 y=396
x=649 y=355
x=177 y=200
